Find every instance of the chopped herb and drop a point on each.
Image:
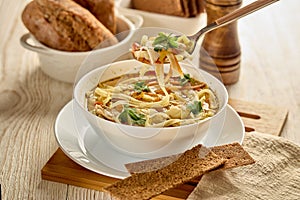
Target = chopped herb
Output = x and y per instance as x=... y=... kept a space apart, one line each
x=130 y=116
x=195 y=107
x=158 y=48
x=141 y=87
x=124 y=117
x=164 y=42
x=186 y=78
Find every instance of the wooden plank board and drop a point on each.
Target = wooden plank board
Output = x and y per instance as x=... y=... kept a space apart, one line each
x=256 y=117
x=60 y=168
x=260 y=117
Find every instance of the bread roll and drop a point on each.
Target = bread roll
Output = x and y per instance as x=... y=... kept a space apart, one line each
x=103 y=10
x=33 y=19
x=65 y=25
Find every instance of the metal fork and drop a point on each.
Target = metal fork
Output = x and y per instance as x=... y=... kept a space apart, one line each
x=229 y=18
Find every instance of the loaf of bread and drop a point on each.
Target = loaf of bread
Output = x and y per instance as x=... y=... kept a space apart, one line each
x=181 y=8
x=103 y=10
x=65 y=25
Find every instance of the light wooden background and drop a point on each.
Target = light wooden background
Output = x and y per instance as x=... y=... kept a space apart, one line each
x=30 y=101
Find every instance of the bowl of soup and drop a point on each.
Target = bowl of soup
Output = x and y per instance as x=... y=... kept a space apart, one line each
x=142 y=112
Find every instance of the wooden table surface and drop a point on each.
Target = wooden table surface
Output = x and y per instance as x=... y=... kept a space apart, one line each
x=30 y=100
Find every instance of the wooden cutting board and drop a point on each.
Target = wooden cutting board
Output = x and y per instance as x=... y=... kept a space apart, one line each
x=260 y=117
x=256 y=117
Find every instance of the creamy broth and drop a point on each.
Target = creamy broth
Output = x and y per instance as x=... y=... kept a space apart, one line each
x=139 y=100
x=153 y=98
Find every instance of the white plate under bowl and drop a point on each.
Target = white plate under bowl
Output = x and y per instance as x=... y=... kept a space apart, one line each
x=96 y=155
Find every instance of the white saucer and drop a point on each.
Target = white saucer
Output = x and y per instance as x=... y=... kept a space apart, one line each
x=91 y=152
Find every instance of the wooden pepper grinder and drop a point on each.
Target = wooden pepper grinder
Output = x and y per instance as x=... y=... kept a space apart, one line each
x=220 y=51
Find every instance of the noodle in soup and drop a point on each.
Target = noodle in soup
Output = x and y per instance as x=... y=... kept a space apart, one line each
x=151 y=97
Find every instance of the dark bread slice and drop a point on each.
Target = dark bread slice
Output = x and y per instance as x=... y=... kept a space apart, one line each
x=234 y=153
x=151 y=165
x=185 y=6
x=193 y=10
x=190 y=7
x=192 y=163
x=181 y=8
x=168 y=7
x=200 y=6
x=103 y=10
x=69 y=22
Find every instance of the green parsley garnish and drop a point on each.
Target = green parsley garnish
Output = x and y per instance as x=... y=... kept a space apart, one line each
x=164 y=42
x=130 y=116
x=195 y=107
x=186 y=78
x=141 y=87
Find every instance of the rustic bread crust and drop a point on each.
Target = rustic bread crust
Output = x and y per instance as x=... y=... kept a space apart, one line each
x=103 y=10
x=65 y=25
x=193 y=10
x=33 y=19
x=200 y=6
x=168 y=7
x=181 y=8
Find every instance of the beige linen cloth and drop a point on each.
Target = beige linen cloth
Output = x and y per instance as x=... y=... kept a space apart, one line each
x=274 y=176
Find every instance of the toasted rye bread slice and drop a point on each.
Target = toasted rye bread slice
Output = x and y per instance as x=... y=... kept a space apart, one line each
x=151 y=165
x=234 y=153
x=192 y=163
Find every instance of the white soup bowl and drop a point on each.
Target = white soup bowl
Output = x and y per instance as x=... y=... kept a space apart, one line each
x=143 y=141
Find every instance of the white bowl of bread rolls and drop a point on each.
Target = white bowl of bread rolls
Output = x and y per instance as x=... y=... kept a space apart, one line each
x=65 y=32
